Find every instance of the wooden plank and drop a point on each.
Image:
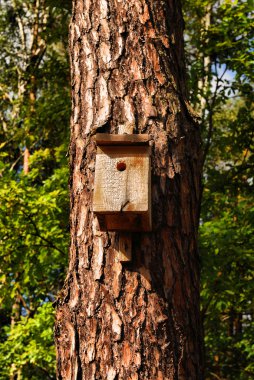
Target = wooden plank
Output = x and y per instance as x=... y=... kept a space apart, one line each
x=125 y=247
x=120 y=191
x=127 y=151
x=125 y=139
x=125 y=221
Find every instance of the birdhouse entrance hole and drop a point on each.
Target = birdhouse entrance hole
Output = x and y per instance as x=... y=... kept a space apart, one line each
x=121 y=166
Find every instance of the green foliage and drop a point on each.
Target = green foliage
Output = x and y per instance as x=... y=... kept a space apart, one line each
x=28 y=346
x=34 y=63
x=226 y=247
x=220 y=40
x=33 y=233
x=230 y=39
x=226 y=244
x=34 y=206
x=219 y=37
x=33 y=248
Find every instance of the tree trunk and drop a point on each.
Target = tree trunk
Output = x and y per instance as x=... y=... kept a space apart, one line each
x=26 y=161
x=204 y=82
x=138 y=320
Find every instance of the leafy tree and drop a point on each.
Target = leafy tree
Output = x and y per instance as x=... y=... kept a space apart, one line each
x=226 y=238
x=34 y=100
x=219 y=40
x=29 y=346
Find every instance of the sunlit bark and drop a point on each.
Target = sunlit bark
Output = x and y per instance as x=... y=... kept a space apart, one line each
x=138 y=320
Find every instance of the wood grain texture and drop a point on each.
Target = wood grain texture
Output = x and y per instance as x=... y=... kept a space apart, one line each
x=140 y=320
x=126 y=139
x=123 y=193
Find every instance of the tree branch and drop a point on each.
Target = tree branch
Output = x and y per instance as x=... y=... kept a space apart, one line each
x=38 y=234
x=211 y=113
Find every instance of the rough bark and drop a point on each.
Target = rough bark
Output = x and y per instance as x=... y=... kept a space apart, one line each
x=138 y=320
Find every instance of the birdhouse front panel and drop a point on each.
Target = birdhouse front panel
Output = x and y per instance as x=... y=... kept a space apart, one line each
x=122 y=188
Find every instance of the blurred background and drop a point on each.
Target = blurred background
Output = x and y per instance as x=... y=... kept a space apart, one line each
x=34 y=202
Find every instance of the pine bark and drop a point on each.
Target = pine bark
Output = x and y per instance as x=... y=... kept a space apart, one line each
x=138 y=320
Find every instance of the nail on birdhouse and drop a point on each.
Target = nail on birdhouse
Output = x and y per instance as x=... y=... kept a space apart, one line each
x=122 y=189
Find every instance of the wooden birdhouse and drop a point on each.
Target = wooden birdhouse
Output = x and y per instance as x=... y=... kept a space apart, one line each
x=122 y=193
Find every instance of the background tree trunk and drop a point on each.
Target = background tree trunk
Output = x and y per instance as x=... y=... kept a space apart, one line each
x=138 y=320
